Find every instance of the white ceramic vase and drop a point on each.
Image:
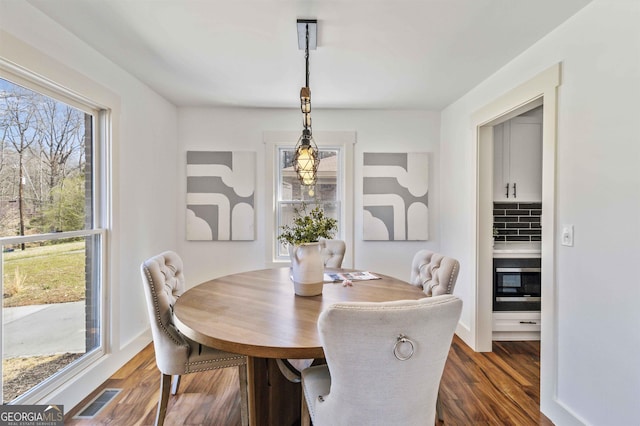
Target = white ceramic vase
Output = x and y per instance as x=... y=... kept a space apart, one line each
x=307 y=269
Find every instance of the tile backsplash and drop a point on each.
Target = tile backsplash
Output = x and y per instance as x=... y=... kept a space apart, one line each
x=517 y=221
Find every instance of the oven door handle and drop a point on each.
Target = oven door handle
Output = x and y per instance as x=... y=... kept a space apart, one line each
x=518 y=299
x=518 y=269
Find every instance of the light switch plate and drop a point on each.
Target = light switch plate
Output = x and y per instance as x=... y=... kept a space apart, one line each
x=567 y=235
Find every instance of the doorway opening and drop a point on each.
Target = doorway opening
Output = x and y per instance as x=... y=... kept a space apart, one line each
x=512 y=160
x=540 y=90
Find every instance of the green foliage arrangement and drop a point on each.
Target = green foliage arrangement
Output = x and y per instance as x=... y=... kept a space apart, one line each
x=308 y=227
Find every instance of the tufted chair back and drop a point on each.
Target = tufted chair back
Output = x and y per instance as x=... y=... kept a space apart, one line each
x=164 y=283
x=332 y=252
x=384 y=362
x=435 y=273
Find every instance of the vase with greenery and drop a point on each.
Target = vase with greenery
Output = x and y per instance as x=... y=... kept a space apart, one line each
x=307 y=227
x=302 y=238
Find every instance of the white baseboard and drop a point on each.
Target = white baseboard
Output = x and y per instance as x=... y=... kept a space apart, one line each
x=464 y=333
x=560 y=414
x=505 y=336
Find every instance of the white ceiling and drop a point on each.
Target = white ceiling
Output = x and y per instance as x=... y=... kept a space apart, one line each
x=421 y=54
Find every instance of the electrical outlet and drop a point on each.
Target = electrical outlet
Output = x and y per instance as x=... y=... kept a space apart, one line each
x=567 y=235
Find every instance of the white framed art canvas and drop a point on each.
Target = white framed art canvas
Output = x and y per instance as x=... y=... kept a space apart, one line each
x=221 y=195
x=395 y=196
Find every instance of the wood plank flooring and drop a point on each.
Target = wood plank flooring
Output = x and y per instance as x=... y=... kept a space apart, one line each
x=495 y=388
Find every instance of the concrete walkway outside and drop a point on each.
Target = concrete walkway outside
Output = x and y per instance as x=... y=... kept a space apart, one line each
x=43 y=329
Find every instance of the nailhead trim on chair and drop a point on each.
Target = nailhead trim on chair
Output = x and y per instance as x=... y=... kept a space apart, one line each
x=453 y=273
x=157 y=309
x=218 y=359
x=241 y=358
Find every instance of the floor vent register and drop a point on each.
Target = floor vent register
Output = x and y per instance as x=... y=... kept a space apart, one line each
x=97 y=404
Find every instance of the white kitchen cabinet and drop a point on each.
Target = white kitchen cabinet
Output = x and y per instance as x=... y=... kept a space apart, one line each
x=523 y=325
x=517 y=161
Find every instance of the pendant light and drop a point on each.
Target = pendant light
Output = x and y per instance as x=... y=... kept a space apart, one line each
x=306 y=160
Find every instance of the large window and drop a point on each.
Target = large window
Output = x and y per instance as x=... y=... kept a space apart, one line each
x=51 y=238
x=291 y=193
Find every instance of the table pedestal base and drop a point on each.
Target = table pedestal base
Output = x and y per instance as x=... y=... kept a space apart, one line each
x=273 y=400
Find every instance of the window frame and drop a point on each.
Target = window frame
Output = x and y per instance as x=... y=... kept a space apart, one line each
x=100 y=224
x=279 y=202
x=342 y=141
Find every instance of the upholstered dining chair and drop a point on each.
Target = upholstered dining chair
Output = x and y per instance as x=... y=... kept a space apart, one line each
x=175 y=353
x=435 y=273
x=332 y=252
x=384 y=362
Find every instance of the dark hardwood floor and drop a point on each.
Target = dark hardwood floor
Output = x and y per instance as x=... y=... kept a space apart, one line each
x=495 y=388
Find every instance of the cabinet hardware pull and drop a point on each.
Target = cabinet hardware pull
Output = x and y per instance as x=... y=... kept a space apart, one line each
x=514 y=190
x=507 y=188
x=527 y=322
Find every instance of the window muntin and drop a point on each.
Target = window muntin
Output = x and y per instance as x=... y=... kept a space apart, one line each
x=49 y=235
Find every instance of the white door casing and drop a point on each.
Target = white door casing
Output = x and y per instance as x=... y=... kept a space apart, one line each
x=541 y=89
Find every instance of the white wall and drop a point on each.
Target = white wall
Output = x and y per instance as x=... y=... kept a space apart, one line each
x=144 y=170
x=597 y=190
x=242 y=129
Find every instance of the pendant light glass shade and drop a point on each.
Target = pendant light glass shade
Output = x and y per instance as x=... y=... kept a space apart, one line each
x=305 y=160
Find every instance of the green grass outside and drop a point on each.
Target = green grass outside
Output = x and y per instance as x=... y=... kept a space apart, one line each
x=44 y=275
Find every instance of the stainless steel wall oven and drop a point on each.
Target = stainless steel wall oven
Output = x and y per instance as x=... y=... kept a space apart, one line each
x=517 y=284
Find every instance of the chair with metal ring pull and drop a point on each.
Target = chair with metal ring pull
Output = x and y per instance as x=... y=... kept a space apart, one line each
x=176 y=354
x=384 y=362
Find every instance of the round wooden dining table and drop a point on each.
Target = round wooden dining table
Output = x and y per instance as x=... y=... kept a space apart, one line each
x=258 y=314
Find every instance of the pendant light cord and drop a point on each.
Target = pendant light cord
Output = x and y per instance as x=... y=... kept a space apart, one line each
x=306 y=57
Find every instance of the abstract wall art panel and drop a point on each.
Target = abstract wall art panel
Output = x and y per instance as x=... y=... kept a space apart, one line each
x=395 y=196
x=220 y=195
